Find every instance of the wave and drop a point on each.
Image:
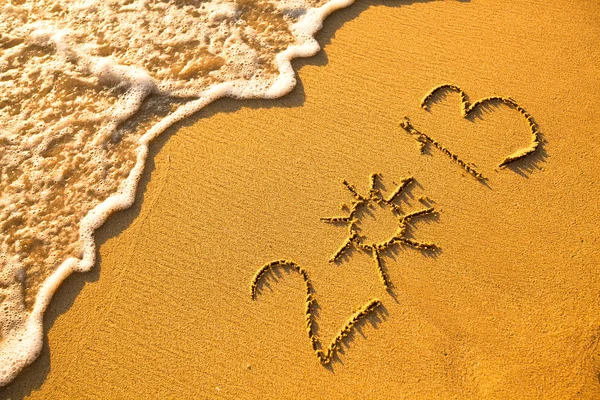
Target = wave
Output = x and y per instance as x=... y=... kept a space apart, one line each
x=84 y=87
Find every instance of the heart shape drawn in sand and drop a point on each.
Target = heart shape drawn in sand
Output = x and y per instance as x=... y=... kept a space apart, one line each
x=467 y=108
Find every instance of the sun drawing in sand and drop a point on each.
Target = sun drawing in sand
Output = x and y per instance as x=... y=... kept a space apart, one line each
x=359 y=206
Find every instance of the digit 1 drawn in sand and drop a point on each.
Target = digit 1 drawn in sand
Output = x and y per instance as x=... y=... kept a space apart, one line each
x=423 y=139
x=325 y=356
x=467 y=109
x=374 y=249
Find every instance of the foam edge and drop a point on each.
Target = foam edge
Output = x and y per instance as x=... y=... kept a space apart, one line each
x=24 y=344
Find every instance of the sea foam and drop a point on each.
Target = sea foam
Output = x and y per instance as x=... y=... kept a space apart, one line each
x=84 y=87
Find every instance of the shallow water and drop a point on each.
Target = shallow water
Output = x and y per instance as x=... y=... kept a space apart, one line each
x=84 y=85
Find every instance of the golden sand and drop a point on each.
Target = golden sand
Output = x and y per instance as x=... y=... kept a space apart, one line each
x=507 y=307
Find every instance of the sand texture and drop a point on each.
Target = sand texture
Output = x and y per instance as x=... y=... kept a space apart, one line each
x=476 y=279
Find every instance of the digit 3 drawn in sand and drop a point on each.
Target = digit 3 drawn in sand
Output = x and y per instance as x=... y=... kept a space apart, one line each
x=467 y=109
x=325 y=356
x=360 y=203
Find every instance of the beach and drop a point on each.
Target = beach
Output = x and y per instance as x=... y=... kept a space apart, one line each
x=504 y=305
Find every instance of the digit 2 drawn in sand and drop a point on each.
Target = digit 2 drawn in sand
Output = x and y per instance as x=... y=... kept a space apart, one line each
x=467 y=109
x=325 y=356
x=359 y=203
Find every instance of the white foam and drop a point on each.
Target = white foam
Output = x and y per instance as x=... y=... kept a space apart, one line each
x=240 y=77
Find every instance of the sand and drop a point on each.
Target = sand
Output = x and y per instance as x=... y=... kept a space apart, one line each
x=506 y=307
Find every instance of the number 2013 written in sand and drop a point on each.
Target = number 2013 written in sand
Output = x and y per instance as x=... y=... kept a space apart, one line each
x=359 y=207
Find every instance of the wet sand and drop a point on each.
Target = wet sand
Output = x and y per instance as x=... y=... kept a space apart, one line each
x=505 y=307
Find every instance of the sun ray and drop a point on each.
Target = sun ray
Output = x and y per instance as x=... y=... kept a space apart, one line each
x=398 y=191
x=345 y=246
x=418 y=245
x=354 y=192
x=374 y=193
x=336 y=219
x=382 y=273
x=418 y=213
